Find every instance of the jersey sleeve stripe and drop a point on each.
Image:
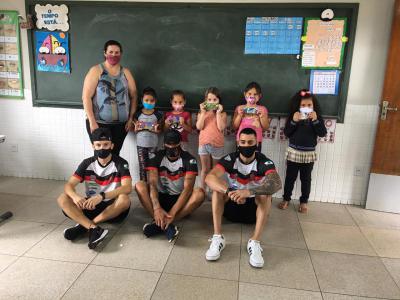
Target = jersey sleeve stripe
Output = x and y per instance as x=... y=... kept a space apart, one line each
x=78 y=177
x=126 y=177
x=151 y=168
x=220 y=166
x=191 y=172
x=270 y=171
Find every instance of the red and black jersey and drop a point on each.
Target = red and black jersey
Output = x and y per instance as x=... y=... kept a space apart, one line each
x=245 y=176
x=100 y=178
x=171 y=174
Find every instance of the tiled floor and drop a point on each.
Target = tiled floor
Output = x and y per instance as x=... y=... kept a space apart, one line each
x=333 y=252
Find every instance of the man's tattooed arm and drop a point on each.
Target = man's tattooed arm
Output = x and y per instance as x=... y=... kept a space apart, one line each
x=271 y=185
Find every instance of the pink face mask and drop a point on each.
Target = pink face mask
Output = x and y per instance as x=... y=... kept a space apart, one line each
x=177 y=107
x=251 y=100
x=113 y=60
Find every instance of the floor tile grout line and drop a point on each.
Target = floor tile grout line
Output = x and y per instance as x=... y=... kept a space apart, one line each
x=240 y=259
x=51 y=231
x=278 y=286
x=325 y=223
x=40 y=222
x=309 y=254
x=200 y=276
x=380 y=258
x=18 y=258
x=88 y=264
x=372 y=226
x=368 y=297
x=166 y=262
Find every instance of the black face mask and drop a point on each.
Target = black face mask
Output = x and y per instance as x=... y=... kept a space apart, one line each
x=102 y=153
x=247 y=151
x=173 y=152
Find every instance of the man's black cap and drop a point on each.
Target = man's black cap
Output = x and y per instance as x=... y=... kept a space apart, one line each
x=172 y=137
x=101 y=134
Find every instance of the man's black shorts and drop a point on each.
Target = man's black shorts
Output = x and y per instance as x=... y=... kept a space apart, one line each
x=91 y=214
x=241 y=213
x=167 y=201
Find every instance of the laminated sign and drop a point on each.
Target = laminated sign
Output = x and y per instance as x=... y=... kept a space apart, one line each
x=52 y=17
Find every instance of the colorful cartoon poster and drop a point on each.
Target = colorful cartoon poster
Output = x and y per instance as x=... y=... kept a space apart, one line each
x=52 y=51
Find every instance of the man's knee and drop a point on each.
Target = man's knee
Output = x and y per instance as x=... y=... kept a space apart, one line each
x=219 y=197
x=141 y=187
x=124 y=201
x=198 y=195
x=263 y=200
x=63 y=199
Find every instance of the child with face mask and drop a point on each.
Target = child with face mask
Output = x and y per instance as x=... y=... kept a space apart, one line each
x=211 y=122
x=178 y=118
x=303 y=126
x=251 y=115
x=148 y=122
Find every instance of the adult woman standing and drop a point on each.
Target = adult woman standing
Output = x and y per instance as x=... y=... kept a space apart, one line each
x=109 y=96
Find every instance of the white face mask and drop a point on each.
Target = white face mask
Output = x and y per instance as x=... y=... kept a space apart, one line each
x=306 y=110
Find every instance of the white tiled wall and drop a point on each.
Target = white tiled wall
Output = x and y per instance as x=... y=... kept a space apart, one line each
x=52 y=142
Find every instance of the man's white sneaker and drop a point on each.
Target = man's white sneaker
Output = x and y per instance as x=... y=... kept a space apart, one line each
x=255 y=251
x=216 y=247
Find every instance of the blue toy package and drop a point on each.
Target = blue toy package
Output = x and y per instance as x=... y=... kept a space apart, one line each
x=250 y=110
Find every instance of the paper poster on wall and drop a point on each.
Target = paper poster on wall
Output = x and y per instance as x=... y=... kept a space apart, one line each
x=324 y=82
x=11 y=83
x=272 y=129
x=273 y=35
x=330 y=125
x=282 y=124
x=52 y=17
x=52 y=51
x=324 y=43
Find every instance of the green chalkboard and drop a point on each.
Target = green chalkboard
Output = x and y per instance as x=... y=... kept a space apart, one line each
x=189 y=47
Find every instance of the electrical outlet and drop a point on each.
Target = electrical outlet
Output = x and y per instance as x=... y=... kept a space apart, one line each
x=358 y=171
x=14 y=147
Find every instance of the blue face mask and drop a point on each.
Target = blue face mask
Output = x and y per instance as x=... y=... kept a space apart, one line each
x=148 y=105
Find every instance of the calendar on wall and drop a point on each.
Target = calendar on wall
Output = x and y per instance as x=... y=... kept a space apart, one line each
x=324 y=82
x=10 y=57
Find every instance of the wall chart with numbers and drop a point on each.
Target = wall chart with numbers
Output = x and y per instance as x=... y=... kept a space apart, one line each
x=273 y=35
x=324 y=43
x=324 y=82
x=11 y=84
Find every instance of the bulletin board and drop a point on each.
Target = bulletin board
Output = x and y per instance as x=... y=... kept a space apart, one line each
x=11 y=83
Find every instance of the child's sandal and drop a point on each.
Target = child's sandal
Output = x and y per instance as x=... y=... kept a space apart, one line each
x=303 y=208
x=284 y=205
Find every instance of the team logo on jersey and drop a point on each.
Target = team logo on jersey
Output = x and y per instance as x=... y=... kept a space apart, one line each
x=192 y=161
x=126 y=166
x=227 y=158
x=268 y=162
x=152 y=155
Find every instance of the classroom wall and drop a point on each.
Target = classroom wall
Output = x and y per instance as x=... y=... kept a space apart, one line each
x=51 y=142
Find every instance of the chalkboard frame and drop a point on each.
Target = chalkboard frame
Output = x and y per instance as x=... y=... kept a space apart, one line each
x=77 y=103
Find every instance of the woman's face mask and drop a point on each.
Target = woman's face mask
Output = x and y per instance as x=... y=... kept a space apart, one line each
x=113 y=59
